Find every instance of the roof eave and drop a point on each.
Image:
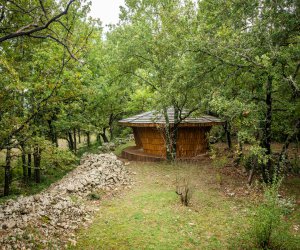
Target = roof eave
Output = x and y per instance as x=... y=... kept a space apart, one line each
x=184 y=124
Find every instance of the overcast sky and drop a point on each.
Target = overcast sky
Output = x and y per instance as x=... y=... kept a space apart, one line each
x=107 y=10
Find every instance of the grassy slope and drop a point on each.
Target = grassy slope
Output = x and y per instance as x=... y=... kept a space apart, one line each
x=151 y=217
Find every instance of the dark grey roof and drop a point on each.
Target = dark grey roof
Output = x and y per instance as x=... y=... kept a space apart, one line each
x=155 y=117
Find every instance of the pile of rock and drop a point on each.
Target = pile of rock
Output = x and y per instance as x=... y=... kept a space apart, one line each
x=48 y=220
x=102 y=171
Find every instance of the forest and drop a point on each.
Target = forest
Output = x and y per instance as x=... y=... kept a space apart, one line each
x=66 y=81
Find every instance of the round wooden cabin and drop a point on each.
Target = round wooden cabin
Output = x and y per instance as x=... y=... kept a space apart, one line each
x=149 y=135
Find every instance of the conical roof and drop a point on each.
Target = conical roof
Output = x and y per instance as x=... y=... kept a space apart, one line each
x=155 y=118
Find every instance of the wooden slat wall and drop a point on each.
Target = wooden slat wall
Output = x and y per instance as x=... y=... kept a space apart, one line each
x=152 y=141
x=190 y=143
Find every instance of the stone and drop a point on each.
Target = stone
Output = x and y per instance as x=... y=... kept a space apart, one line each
x=60 y=209
x=9 y=224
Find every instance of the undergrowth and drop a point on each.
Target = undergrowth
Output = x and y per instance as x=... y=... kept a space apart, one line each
x=269 y=227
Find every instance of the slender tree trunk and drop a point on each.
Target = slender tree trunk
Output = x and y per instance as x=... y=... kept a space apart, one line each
x=266 y=143
x=88 y=138
x=227 y=128
x=56 y=139
x=29 y=165
x=254 y=166
x=52 y=129
x=79 y=135
x=70 y=141
x=24 y=165
x=103 y=135
x=7 y=175
x=169 y=155
x=37 y=164
x=111 y=132
x=174 y=134
x=75 y=141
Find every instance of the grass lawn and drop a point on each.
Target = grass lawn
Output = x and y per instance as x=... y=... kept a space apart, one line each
x=150 y=215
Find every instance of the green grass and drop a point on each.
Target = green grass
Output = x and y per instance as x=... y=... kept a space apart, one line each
x=93 y=148
x=150 y=216
x=119 y=149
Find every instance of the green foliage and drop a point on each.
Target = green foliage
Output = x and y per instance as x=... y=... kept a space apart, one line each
x=57 y=158
x=94 y=149
x=94 y=196
x=269 y=229
x=219 y=163
x=119 y=149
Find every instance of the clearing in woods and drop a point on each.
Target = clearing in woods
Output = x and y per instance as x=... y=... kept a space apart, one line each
x=150 y=216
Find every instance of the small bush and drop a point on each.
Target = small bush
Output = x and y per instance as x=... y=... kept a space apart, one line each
x=185 y=190
x=219 y=163
x=268 y=228
x=94 y=196
x=53 y=157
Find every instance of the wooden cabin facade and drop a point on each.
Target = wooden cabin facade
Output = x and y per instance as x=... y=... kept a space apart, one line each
x=149 y=135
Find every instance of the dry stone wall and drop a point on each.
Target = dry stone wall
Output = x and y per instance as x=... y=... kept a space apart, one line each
x=48 y=220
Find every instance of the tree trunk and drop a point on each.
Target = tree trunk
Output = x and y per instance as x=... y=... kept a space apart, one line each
x=266 y=143
x=111 y=133
x=174 y=134
x=75 y=141
x=37 y=164
x=56 y=139
x=7 y=175
x=52 y=132
x=88 y=138
x=79 y=136
x=70 y=141
x=29 y=165
x=227 y=129
x=111 y=129
x=103 y=135
x=24 y=165
x=167 y=128
x=254 y=166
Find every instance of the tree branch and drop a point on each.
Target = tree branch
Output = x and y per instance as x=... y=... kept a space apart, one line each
x=23 y=32
x=58 y=41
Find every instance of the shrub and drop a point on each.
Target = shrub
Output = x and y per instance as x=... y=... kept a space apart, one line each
x=94 y=196
x=268 y=229
x=54 y=157
x=185 y=190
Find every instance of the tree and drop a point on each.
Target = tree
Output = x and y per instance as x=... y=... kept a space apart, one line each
x=256 y=44
x=32 y=82
x=153 y=41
